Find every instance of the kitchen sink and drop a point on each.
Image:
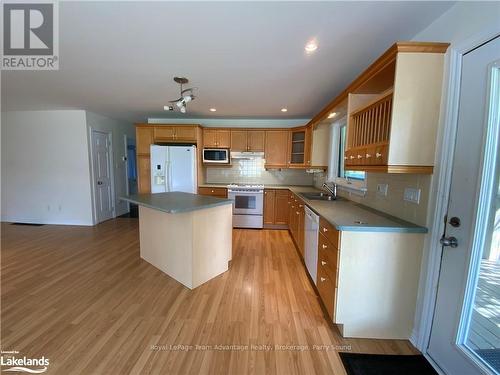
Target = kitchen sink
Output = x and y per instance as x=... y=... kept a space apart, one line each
x=318 y=196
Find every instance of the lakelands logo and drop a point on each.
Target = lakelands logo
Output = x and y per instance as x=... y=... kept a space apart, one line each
x=30 y=35
x=23 y=364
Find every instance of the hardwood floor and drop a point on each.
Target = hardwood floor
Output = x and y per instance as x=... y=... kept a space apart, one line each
x=83 y=298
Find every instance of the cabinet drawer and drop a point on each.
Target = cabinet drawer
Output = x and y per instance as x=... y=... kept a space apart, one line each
x=214 y=192
x=328 y=257
x=326 y=289
x=331 y=234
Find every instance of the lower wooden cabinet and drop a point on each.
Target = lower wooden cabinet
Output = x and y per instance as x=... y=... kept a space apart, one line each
x=276 y=207
x=144 y=175
x=326 y=289
x=213 y=192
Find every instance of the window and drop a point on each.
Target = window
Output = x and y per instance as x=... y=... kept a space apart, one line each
x=350 y=180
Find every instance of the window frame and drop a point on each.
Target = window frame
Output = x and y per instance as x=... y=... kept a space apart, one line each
x=336 y=166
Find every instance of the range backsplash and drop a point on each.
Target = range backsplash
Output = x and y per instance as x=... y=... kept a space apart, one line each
x=253 y=171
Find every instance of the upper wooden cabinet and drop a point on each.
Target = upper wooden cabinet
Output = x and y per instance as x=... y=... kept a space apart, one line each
x=393 y=110
x=247 y=140
x=300 y=148
x=217 y=138
x=179 y=133
x=320 y=144
x=276 y=148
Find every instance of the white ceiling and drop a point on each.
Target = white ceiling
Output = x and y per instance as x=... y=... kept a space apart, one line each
x=246 y=58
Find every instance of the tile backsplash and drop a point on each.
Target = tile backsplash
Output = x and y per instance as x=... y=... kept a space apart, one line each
x=394 y=204
x=253 y=171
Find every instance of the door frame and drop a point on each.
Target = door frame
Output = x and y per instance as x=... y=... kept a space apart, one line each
x=92 y=172
x=441 y=184
x=127 y=187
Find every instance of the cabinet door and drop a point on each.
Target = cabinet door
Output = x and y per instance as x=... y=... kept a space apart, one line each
x=223 y=138
x=276 y=148
x=144 y=139
x=209 y=138
x=300 y=227
x=255 y=140
x=164 y=133
x=291 y=212
x=281 y=207
x=185 y=133
x=238 y=140
x=269 y=206
x=144 y=174
x=308 y=146
x=213 y=192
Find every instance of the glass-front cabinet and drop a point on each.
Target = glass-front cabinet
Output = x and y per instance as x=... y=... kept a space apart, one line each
x=300 y=148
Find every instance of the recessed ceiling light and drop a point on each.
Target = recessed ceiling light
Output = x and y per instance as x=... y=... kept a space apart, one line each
x=332 y=114
x=213 y=109
x=311 y=46
x=284 y=109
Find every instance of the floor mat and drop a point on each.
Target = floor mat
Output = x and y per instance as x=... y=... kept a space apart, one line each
x=381 y=364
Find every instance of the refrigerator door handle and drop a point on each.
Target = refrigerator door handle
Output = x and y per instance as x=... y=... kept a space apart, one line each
x=169 y=186
x=167 y=176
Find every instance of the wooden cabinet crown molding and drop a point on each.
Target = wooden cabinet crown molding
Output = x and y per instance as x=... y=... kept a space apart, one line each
x=378 y=65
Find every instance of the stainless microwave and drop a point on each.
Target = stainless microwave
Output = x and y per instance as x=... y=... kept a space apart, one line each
x=216 y=155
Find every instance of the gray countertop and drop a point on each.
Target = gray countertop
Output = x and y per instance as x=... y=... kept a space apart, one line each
x=346 y=215
x=176 y=201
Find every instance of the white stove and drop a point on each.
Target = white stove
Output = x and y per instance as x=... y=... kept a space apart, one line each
x=248 y=205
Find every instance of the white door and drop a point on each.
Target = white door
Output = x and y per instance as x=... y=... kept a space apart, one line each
x=102 y=164
x=465 y=335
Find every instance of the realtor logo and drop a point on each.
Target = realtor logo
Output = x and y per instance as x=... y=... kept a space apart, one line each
x=30 y=36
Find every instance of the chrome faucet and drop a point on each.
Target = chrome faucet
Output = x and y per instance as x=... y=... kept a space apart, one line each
x=331 y=190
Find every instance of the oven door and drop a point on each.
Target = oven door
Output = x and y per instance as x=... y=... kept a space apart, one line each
x=246 y=202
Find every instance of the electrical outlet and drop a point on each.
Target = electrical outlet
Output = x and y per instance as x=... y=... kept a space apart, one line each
x=412 y=195
x=382 y=189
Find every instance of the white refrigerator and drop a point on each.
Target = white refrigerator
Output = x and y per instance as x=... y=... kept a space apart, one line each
x=173 y=168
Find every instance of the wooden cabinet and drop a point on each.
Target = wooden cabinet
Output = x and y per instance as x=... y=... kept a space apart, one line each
x=276 y=148
x=393 y=110
x=276 y=203
x=281 y=207
x=296 y=220
x=213 y=192
x=167 y=133
x=144 y=139
x=300 y=148
x=327 y=268
x=217 y=138
x=144 y=174
x=269 y=206
x=256 y=140
x=247 y=140
x=320 y=146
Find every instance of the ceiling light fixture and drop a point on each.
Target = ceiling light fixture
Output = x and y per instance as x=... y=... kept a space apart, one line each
x=213 y=109
x=311 y=46
x=284 y=110
x=332 y=114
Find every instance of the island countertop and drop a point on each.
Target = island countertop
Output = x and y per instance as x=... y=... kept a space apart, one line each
x=176 y=201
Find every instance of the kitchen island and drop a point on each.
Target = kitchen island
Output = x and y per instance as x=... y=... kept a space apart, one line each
x=187 y=236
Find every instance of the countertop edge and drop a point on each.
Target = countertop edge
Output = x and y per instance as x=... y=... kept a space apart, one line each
x=178 y=211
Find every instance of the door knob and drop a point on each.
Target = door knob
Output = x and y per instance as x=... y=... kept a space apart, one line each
x=449 y=241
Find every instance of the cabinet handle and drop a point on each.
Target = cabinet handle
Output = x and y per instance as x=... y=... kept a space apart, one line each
x=325 y=246
x=297 y=212
x=300 y=206
x=345 y=157
x=212 y=191
x=322 y=279
x=368 y=156
x=378 y=155
x=325 y=230
x=351 y=157
x=323 y=263
x=360 y=156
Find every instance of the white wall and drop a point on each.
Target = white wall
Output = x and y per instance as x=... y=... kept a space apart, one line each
x=462 y=22
x=118 y=129
x=45 y=169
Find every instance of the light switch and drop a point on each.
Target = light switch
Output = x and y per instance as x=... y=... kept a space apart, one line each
x=382 y=189
x=412 y=195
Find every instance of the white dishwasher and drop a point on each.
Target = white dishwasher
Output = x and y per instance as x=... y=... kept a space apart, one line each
x=311 y=228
